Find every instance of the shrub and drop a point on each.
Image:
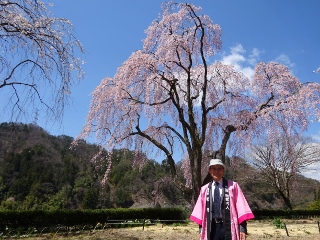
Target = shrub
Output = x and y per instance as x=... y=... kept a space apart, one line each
x=278 y=223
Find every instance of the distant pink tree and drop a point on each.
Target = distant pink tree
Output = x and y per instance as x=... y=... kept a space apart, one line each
x=279 y=162
x=39 y=60
x=171 y=97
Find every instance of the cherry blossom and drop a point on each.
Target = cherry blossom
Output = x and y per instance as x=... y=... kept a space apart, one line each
x=38 y=58
x=171 y=97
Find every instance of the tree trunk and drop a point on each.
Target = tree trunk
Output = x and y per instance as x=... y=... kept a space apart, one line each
x=195 y=158
x=286 y=199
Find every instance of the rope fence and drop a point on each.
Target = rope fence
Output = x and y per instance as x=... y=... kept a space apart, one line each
x=144 y=222
x=283 y=225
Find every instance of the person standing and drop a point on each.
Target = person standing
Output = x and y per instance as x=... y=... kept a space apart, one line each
x=221 y=210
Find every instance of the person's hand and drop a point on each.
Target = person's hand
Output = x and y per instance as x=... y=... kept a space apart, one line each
x=243 y=236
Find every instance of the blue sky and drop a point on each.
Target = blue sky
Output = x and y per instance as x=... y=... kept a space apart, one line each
x=271 y=30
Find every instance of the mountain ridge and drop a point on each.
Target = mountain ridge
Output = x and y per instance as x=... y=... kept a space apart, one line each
x=41 y=171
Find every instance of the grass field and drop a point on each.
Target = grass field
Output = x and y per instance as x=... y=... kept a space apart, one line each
x=258 y=230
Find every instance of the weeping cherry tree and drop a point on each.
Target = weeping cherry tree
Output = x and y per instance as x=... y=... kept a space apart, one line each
x=172 y=97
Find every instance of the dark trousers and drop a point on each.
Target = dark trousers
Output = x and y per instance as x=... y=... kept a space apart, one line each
x=217 y=231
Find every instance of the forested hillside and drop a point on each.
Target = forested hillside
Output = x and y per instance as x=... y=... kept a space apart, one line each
x=41 y=171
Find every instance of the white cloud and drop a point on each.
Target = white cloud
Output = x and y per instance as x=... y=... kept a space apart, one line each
x=237 y=49
x=240 y=61
x=233 y=59
x=316 y=136
x=236 y=57
x=244 y=61
x=312 y=171
x=254 y=56
x=285 y=60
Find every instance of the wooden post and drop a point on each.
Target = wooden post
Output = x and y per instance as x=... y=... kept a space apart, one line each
x=285 y=227
x=144 y=220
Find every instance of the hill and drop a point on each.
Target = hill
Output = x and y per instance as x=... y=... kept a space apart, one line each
x=41 y=171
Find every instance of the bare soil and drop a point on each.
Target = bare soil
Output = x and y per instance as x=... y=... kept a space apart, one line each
x=257 y=230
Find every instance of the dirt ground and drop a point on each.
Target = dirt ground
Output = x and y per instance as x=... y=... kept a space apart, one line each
x=257 y=230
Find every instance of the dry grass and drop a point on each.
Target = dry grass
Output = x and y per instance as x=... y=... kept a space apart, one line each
x=297 y=229
x=258 y=230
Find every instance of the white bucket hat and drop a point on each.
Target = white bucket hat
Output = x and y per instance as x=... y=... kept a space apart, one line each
x=216 y=162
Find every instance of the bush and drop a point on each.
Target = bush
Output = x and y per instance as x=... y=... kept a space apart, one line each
x=315 y=205
x=277 y=222
x=69 y=218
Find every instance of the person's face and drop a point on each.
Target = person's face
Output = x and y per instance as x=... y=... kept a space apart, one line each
x=216 y=172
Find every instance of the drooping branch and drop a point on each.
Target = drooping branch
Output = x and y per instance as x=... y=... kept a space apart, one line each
x=31 y=35
x=158 y=145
